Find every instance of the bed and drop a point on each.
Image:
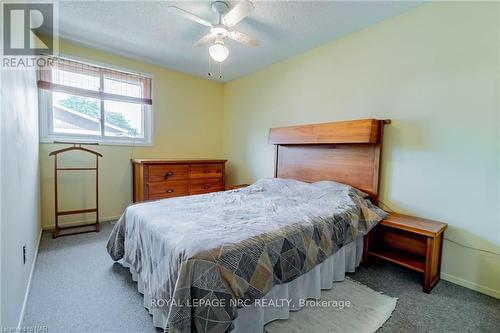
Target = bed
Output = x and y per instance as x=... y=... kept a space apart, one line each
x=203 y=262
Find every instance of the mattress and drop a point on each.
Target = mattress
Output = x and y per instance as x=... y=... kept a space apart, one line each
x=199 y=258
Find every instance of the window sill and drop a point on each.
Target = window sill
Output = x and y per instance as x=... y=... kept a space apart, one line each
x=101 y=142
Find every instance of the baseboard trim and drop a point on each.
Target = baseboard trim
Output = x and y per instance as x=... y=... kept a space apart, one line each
x=474 y=286
x=28 y=286
x=76 y=223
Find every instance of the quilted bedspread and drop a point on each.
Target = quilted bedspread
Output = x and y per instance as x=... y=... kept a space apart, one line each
x=201 y=257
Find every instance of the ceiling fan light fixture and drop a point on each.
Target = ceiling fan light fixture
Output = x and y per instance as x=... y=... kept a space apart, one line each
x=219 y=30
x=218 y=52
x=227 y=18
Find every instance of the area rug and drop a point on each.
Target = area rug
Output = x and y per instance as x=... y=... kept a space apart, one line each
x=348 y=307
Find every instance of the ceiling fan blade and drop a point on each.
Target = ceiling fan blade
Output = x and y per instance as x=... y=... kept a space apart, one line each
x=205 y=40
x=238 y=13
x=188 y=15
x=243 y=38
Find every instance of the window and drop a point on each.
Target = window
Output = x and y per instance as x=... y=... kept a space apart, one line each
x=81 y=102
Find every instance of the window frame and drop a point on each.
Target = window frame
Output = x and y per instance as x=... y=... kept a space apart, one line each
x=47 y=134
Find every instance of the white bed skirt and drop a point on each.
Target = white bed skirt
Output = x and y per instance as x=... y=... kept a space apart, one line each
x=252 y=319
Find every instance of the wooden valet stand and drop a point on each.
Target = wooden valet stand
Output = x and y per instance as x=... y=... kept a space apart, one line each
x=76 y=146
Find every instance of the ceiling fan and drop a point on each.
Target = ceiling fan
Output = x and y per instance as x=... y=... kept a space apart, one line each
x=222 y=29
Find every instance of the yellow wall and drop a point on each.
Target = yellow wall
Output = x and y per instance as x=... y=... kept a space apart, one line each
x=187 y=124
x=434 y=71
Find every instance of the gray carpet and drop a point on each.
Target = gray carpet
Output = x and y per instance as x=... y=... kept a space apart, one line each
x=76 y=287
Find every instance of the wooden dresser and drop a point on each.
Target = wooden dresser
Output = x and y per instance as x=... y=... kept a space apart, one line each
x=158 y=179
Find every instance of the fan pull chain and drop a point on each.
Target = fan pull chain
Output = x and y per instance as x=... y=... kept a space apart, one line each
x=220 y=70
x=209 y=66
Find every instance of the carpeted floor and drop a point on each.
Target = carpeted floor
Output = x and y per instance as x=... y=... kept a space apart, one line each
x=76 y=287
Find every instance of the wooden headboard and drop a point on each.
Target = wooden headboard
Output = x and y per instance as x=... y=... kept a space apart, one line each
x=348 y=152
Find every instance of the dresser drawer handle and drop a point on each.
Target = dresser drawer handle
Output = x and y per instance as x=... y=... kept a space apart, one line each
x=168 y=174
x=219 y=170
x=169 y=190
x=206 y=171
x=206 y=187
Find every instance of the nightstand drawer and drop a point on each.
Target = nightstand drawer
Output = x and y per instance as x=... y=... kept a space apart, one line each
x=403 y=240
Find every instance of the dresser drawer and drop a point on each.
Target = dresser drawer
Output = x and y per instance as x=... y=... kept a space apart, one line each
x=201 y=171
x=205 y=186
x=168 y=189
x=163 y=172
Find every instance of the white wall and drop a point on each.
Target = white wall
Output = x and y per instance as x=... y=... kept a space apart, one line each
x=435 y=72
x=19 y=195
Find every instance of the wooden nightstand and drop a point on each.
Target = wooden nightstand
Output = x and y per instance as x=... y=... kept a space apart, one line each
x=408 y=241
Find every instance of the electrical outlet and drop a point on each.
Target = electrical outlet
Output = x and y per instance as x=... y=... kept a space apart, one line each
x=24 y=254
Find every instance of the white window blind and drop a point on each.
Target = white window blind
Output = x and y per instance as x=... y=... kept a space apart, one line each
x=71 y=77
x=81 y=101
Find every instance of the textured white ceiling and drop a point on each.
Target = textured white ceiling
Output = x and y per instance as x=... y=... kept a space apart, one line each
x=145 y=30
